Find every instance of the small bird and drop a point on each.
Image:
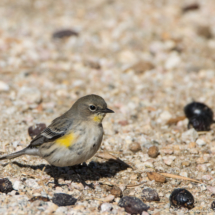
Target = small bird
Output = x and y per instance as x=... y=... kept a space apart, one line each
x=71 y=138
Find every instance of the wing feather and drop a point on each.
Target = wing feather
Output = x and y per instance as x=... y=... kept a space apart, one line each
x=55 y=130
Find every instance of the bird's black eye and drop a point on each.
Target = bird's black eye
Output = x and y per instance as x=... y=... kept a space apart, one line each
x=92 y=107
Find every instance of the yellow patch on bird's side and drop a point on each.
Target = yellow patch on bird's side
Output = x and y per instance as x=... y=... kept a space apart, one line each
x=66 y=140
x=98 y=118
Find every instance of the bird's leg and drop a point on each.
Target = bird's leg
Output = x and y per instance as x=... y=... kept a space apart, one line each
x=56 y=184
x=83 y=182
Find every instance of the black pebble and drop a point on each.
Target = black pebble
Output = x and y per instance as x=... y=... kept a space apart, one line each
x=64 y=33
x=213 y=205
x=132 y=205
x=181 y=198
x=34 y=130
x=150 y=195
x=62 y=199
x=5 y=185
x=200 y=116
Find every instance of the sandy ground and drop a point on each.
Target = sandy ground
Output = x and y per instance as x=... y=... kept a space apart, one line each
x=147 y=59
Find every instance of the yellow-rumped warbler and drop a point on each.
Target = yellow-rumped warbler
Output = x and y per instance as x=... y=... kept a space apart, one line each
x=72 y=138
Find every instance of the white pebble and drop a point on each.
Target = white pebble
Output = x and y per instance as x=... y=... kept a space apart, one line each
x=201 y=142
x=106 y=207
x=4 y=86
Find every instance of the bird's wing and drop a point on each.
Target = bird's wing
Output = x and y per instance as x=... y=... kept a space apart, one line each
x=54 y=131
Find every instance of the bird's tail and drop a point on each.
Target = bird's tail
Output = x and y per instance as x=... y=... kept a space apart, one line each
x=13 y=155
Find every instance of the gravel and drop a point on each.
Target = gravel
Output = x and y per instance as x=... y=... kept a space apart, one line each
x=147 y=59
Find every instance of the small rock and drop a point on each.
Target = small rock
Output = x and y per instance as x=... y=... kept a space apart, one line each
x=41 y=198
x=34 y=130
x=192 y=145
x=153 y=151
x=189 y=136
x=62 y=199
x=123 y=122
x=132 y=205
x=17 y=185
x=184 y=174
x=141 y=67
x=205 y=31
x=200 y=142
x=207 y=177
x=64 y=33
x=31 y=183
x=106 y=207
x=211 y=189
x=165 y=116
x=202 y=168
x=4 y=86
x=181 y=198
x=144 y=213
x=172 y=61
x=116 y=191
x=168 y=159
x=5 y=185
x=156 y=176
x=149 y=195
x=185 y=163
x=135 y=147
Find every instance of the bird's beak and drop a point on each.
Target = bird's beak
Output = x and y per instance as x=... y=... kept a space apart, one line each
x=106 y=110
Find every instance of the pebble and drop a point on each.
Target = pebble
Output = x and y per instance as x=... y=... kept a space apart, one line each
x=184 y=174
x=17 y=185
x=168 y=159
x=149 y=195
x=202 y=168
x=153 y=151
x=31 y=183
x=207 y=177
x=62 y=199
x=34 y=130
x=135 y=147
x=165 y=116
x=4 y=86
x=200 y=142
x=132 y=205
x=116 y=191
x=211 y=189
x=192 y=145
x=106 y=207
x=172 y=61
x=5 y=185
x=189 y=136
x=185 y=163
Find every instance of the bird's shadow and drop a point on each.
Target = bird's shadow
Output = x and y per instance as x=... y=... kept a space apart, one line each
x=92 y=172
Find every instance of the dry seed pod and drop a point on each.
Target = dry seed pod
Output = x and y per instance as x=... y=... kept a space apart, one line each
x=153 y=151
